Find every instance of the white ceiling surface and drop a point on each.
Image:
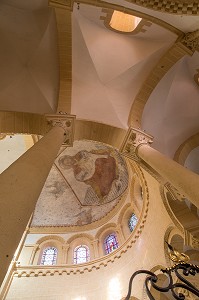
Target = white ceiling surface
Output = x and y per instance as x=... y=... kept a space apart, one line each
x=192 y=161
x=108 y=70
x=109 y=67
x=28 y=57
x=171 y=113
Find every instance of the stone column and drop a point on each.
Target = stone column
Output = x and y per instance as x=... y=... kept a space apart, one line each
x=136 y=146
x=21 y=185
x=65 y=249
x=95 y=244
x=34 y=250
x=120 y=233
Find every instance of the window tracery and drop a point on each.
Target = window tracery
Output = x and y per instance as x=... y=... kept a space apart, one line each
x=81 y=254
x=132 y=222
x=49 y=256
x=110 y=243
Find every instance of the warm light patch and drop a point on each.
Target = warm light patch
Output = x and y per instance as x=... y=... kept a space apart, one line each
x=114 y=289
x=124 y=22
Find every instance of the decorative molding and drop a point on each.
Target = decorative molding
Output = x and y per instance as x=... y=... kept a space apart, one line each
x=177 y=7
x=65 y=121
x=191 y=40
x=141 y=27
x=176 y=195
x=195 y=243
x=175 y=221
x=191 y=241
x=134 y=138
x=48 y=238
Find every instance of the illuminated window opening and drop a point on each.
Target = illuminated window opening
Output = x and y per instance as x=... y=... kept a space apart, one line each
x=132 y=222
x=49 y=256
x=123 y=22
x=110 y=243
x=81 y=254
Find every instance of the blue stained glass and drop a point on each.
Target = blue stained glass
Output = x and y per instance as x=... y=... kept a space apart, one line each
x=49 y=256
x=132 y=222
x=110 y=243
x=81 y=254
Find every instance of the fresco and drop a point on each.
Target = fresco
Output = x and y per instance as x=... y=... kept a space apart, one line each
x=85 y=183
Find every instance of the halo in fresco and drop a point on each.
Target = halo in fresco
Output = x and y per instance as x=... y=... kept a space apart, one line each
x=83 y=186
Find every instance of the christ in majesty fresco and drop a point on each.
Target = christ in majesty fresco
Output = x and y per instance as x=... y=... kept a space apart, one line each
x=95 y=168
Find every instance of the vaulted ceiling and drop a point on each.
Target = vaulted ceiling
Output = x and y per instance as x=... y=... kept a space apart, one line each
x=62 y=56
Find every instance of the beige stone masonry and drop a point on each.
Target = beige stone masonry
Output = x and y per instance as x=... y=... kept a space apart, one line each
x=21 y=185
x=136 y=145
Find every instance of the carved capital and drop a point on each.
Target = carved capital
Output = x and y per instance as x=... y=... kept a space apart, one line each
x=64 y=121
x=134 y=139
x=191 y=40
x=195 y=243
x=176 y=194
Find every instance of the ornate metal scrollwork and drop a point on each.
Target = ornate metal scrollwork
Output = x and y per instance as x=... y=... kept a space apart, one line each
x=177 y=288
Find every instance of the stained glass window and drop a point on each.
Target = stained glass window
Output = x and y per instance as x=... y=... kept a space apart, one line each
x=132 y=222
x=81 y=254
x=110 y=243
x=49 y=256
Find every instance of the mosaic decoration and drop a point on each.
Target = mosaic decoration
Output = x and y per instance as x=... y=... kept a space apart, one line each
x=86 y=182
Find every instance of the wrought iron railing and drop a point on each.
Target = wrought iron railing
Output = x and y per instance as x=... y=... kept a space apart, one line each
x=178 y=283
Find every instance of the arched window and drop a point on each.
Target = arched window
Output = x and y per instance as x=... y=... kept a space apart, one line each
x=49 y=256
x=110 y=243
x=132 y=222
x=81 y=254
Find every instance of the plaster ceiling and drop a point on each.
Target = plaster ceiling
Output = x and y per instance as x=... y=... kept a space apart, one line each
x=108 y=68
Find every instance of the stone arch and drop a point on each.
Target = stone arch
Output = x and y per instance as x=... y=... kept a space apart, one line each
x=80 y=239
x=49 y=241
x=105 y=231
x=185 y=148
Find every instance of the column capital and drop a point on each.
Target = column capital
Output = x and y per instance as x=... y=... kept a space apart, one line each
x=64 y=121
x=176 y=194
x=66 y=246
x=133 y=140
x=191 y=40
x=95 y=242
